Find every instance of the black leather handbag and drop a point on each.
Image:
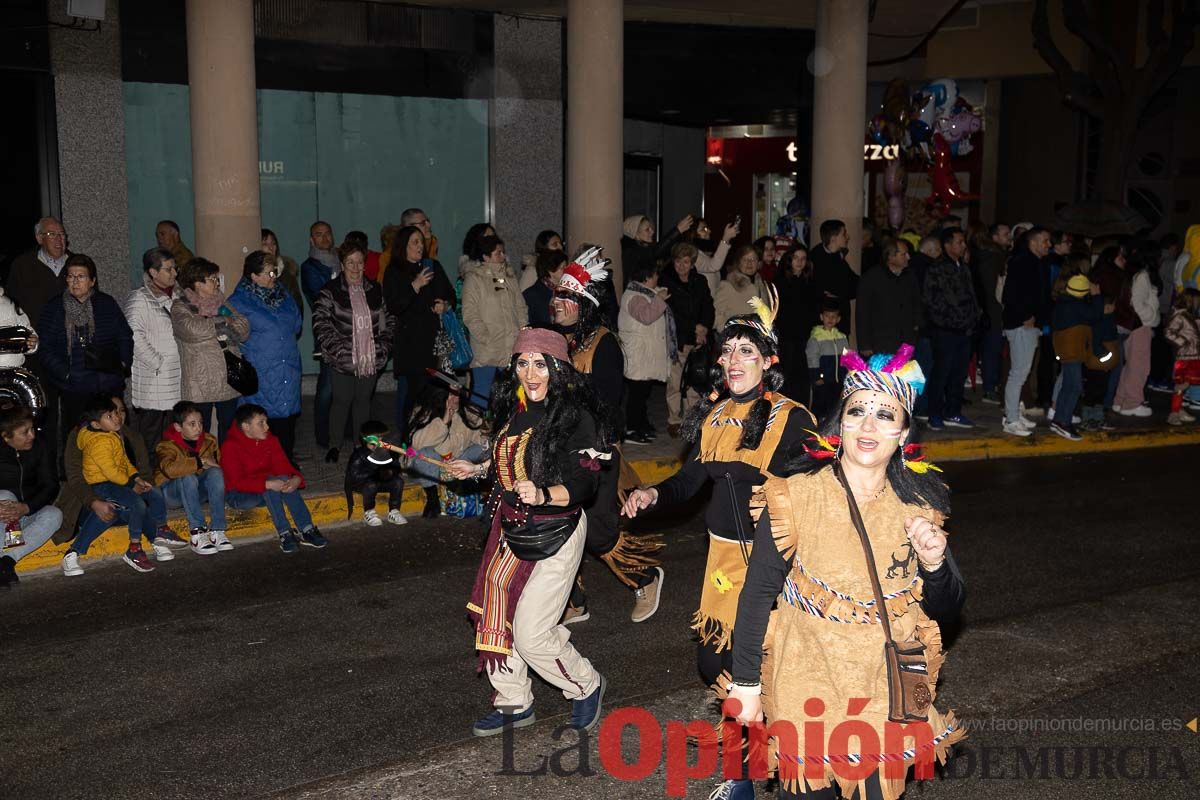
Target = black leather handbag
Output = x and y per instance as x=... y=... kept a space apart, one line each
x=537 y=539
x=240 y=374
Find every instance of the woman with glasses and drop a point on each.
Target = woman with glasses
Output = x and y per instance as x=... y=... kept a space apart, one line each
x=154 y=384
x=206 y=326
x=86 y=345
x=275 y=320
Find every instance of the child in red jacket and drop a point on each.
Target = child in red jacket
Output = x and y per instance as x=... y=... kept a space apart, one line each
x=258 y=473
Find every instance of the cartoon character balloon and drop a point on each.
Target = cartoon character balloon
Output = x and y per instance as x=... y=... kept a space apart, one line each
x=957 y=129
x=945 y=187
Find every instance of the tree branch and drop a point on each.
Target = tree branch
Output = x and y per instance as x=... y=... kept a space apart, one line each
x=1164 y=61
x=1118 y=71
x=1078 y=89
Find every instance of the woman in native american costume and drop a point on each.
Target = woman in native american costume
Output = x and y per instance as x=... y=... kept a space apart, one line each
x=859 y=491
x=739 y=433
x=576 y=308
x=549 y=436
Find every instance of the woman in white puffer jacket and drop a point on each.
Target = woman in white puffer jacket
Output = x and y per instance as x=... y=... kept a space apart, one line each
x=1130 y=400
x=11 y=314
x=156 y=372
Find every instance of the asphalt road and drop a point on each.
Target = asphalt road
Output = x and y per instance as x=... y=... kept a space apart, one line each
x=348 y=672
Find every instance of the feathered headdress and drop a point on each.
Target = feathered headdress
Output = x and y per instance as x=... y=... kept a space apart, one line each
x=588 y=268
x=898 y=375
x=762 y=320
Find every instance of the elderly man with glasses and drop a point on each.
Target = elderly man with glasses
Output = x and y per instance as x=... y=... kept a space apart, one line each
x=34 y=278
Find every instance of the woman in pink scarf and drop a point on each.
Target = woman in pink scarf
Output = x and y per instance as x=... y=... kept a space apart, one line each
x=354 y=333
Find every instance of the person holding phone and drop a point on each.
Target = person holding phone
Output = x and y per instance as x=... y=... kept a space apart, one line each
x=416 y=292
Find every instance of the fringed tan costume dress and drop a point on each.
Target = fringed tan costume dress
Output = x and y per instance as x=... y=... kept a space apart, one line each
x=825 y=640
x=734 y=472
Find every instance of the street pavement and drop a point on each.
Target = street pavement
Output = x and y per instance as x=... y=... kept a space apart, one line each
x=348 y=672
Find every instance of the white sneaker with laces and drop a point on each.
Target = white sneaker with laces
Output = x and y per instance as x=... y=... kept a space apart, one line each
x=70 y=564
x=163 y=553
x=1027 y=423
x=201 y=542
x=396 y=518
x=371 y=517
x=1016 y=429
x=220 y=540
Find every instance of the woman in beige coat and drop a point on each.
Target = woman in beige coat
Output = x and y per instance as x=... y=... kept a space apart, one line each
x=742 y=283
x=205 y=325
x=493 y=311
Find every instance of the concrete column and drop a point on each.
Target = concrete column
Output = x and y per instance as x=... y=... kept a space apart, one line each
x=839 y=66
x=527 y=132
x=220 y=43
x=90 y=111
x=595 y=115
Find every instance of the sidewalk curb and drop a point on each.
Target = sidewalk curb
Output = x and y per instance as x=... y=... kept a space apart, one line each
x=328 y=509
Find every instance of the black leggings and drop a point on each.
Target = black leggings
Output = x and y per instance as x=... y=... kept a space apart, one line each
x=637 y=396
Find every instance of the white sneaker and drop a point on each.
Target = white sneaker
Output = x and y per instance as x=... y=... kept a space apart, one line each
x=163 y=553
x=396 y=518
x=1027 y=423
x=70 y=564
x=371 y=517
x=1185 y=416
x=201 y=542
x=1016 y=429
x=1140 y=411
x=220 y=540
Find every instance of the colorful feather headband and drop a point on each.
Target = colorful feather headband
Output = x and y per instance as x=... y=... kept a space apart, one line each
x=898 y=375
x=762 y=320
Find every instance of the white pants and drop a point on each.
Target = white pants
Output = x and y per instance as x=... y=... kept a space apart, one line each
x=539 y=641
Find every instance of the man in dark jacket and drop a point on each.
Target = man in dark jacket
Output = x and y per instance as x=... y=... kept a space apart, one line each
x=28 y=486
x=990 y=258
x=832 y=275
x=889 y=303
x=692 y=304
x=318 y=269
x=35 y=278
x=953 y=312
x=1022 y=323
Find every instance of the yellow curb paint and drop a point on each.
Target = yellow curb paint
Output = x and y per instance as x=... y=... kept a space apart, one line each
x=330 y=508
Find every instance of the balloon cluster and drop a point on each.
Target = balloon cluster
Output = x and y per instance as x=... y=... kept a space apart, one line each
x=932 y=125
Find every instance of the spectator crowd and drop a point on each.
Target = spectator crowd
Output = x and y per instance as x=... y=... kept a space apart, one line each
x=1051 y=325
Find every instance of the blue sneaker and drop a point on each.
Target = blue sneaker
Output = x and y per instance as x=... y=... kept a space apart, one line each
x=287 y=541
x=497 y=721
x=958 y=422
x=585 y=713
x=936 y=424
x=313 y=538
x=734 y=790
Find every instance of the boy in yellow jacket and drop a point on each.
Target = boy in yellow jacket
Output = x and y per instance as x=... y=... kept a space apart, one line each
x=188 y=473
x=107 y=469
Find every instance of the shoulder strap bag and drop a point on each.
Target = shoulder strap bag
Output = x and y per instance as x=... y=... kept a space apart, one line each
x=909 y=692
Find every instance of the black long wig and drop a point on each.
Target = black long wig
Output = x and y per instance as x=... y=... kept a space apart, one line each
x=568 y=397
x=756 y=422
x=914 y=488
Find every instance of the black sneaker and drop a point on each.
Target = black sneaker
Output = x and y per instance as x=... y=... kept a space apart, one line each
x=8 y=572
x=313 y=538
x=1065 y=431
x=287 y=541
x=636 y=437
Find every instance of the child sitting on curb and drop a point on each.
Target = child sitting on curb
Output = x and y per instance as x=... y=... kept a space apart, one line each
x=257 y=473
x=373 y=469
x=188 y=473
x=112 y=477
